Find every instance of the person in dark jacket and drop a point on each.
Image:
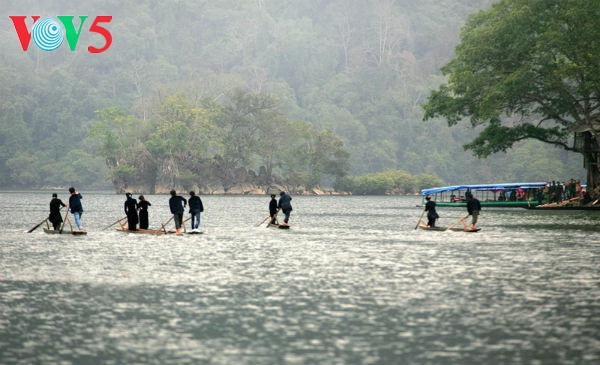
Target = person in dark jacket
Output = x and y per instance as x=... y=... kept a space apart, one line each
x=273 y=209
x=76 y=207
x=131 y=209
x=196 y=208
x=473 y=208
x=177 y=205
x=431 y=213
x=285 y=204
x=55 y=217
x=143 y=205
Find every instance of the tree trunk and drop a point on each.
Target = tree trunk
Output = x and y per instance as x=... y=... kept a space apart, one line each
x=591 y=160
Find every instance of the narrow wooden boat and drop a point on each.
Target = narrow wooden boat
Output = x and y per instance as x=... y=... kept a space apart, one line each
x=280 y=226
x=442 y=229
x=155 y=232
x=75 y=233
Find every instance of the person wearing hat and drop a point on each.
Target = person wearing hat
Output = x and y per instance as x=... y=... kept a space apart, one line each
x=473 y=208
x=285 y=204
x=55 y=217
x=431 y=213
x=273 y=209
x=143 y=205
x=131 y=209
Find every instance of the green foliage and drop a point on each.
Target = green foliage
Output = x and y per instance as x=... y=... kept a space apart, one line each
x=168 y=90
x=525 y=70
x=192 y=146
x=388 y=182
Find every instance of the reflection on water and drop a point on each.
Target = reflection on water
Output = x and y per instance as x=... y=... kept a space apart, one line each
x=351 y=283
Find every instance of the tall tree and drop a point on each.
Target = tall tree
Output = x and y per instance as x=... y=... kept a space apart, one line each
x=528 y=69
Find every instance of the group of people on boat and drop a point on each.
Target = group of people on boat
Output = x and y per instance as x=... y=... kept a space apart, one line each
x=284 y=204
x=74 y=206
x=473 y=210
x=136 y=211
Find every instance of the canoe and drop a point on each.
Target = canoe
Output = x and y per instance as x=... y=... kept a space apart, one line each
x=280 y=226
x=442 y=229
x=75 y=233
x=155 y=232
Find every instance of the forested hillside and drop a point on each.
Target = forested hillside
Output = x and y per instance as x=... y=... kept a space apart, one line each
x=174 y=99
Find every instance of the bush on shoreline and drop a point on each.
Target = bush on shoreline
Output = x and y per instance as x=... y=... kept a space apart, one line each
x=389 y=182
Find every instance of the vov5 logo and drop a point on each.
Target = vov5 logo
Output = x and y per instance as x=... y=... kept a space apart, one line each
x=48 y=34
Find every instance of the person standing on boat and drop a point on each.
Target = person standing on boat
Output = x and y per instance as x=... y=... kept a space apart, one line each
x=196 y=208
x=131 y=210
x=473 y=208
x=273 y=209
x=143 y=205
x=177 y=205
x=431 y=213
x=55 y=217
x=76 y=207
x=285 y=204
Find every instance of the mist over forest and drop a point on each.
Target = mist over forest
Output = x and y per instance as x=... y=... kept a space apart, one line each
x=303 y=92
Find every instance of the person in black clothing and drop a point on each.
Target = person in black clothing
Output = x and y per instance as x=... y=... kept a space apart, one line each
x=143 y=205
x=273 y=209
x=177 y=205
x=285 y=204
x=55 y=217
x=473 y=207
x=431 y=213
x=131 y=207
x=76 y=207
x=196 y=208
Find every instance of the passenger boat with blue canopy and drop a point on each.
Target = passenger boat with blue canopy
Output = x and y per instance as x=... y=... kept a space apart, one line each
x=506 y=195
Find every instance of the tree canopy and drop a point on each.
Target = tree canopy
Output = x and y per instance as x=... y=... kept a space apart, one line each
x=353 y=70
x=527 y=70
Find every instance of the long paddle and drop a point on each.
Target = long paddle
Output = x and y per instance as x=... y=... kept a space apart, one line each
x=458 y=221
x=167 y=222
x=37 y=225
x=419 y=221
x=63 y=225
x=264 y=220
x=107 y=227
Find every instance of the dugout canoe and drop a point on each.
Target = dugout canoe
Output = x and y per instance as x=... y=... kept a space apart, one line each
x=280 y=226
x=442 y=229
x=74 y=233
x=155 y=232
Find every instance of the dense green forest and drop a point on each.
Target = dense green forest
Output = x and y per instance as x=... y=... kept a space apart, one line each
x=170 y=103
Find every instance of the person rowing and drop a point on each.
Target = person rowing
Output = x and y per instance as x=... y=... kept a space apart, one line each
x=285 y=204
x=431 y=212
x=273 y=210
x=177 y=206
x=131 y=209
x=76 y=207
x=55 y=217
x=143 y=205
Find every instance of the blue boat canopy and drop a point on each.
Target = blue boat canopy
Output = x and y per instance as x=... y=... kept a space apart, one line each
x=485 y=187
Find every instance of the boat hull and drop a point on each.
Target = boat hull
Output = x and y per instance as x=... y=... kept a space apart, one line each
x=443 y=229
x=280 y=226
x=74 y=233
x=155 y=232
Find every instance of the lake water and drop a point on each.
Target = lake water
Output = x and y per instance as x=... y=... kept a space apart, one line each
x=351 y=283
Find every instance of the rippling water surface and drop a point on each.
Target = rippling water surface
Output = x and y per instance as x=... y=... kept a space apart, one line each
x=351 y=283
